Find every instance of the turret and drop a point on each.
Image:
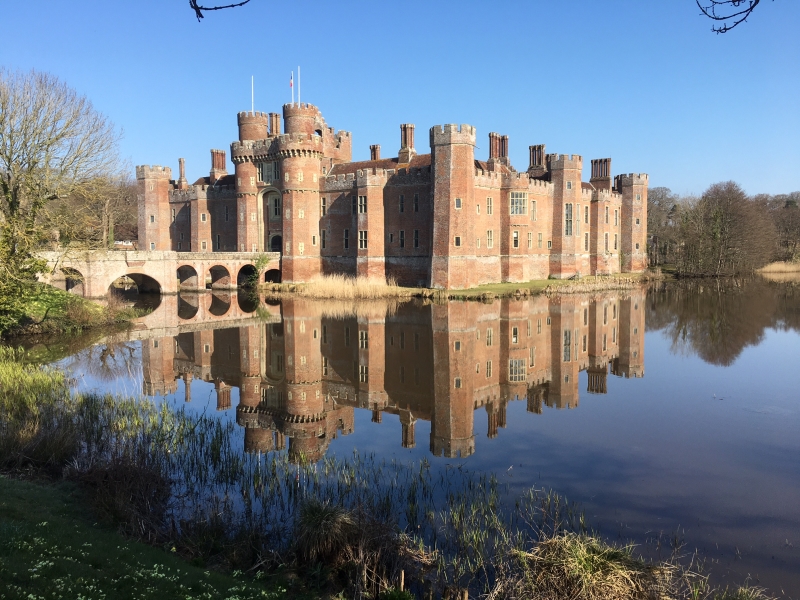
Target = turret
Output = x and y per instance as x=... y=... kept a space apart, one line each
x=565 y=174
x=253 y=126
x=453 y=165
x=303 y=118
x=633 y=223
x=153 y=186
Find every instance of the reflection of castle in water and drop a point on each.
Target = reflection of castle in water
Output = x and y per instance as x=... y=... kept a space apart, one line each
x=302 y=378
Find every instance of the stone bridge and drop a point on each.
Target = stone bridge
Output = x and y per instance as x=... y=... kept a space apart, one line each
x=90 y=273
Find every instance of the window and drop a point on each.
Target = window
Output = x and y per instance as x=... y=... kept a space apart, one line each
x=354 y=200
x=490 y=239
x=606 y=215
x=585 y=214
x=605 y=315
x=534 y=212
x=615 y=241
x=514 y=335
x=515 y=239
x=203 y=217
x=416 y=202
x=363 y=339
x=637 y=220
x=606 y=242
x=568 y=219
x=638 y=196
x=549 y=244
x=276 y=207
x=516 y=369
x=457 y=345
x=322 y=238
x=323 y=206
x=346 y=239
x=569 y=185
x=489 y=206
x=586 y=242
x=478 y=209
x=637 y=246
x=532 y=356
x=530 y=240
x=219 y=242
x=567 y=345
x=478 y=242
x=391 y=238
x=362 y=239
x=539 y=240
x=173 y=215
x=324 y=334
x=152 y=245
x=605 y=343
x=538 y=326
x=324 y=366
x=416 y=238
x=362 y=204
x=203 y=246
x=152 y=218
x=457 y=383
x=584 y=343
x=489 y=336
x=179 y=245
x=519 y=203
x=363 y=373
x=488 y=369
x=402 y=204
x=458 y=203
x=402 y=238
x=616 y=218
x=313 y=240
x=457 y=241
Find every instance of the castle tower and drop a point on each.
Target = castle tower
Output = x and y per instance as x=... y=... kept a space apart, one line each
x=158 y=367
x=563 y=389
x=633 y=226
x=300 y=152
x=253 y=126
x=153 y=186
x=565 y=174
x=453 y=166
x=370 y=224
x=631 y=336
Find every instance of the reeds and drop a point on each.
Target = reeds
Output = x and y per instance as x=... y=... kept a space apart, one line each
x=340 y=286
x=781 y=267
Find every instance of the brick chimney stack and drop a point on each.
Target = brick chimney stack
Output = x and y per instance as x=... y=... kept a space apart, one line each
x=274 y=124
x=375 y=152
x=218 y=165
x=537 y=166
x=601 y=174
x=182 y=183
x=407 y=151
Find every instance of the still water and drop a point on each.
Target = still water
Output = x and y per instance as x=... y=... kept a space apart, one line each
x=672 y=411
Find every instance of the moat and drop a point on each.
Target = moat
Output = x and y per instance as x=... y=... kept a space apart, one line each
x=671 y=411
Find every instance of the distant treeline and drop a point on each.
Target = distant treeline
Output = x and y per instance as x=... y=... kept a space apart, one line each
x=723 y=232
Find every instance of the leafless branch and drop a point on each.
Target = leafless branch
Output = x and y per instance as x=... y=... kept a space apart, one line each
x=728 y=12
x=198 y=10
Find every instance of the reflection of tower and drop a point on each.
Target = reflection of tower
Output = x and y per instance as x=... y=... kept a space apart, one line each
x=453 y=348
x=370 y=371
x=256 y=438
x=158 y=365
x=631 y=336
x=408 y=423
x=223 y=394
x=563 y=392
x=187 y=386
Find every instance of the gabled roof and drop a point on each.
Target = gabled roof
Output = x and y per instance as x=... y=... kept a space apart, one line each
x=418 y=162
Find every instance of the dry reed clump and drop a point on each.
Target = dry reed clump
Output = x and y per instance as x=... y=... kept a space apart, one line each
x=582 y=567
x=345 y=287
x=781 y=267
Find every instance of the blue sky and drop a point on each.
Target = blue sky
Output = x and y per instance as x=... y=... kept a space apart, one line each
x=642 y=81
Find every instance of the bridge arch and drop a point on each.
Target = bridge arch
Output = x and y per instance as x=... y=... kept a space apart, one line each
x=220 y=277
x=138 y=288
x=272 y=276
x=247 y=276
x=220 y=303
x=73 y=281
x=188 y=305
x=187 y=277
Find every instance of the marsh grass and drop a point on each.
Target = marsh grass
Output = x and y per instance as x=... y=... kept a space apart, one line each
x=338 y=286
x=781 y=267
x=356 y=524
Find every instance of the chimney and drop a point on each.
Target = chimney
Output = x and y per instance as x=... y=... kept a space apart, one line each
x=274 y=124
x=494 y=147
x=407 y=151
x=601 y=173
x=504 y=146
x=182 y=183
x=218 y=165
x=375 y=152
x=537 y=167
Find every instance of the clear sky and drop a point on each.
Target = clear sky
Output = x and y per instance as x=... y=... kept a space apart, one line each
x=643 y=81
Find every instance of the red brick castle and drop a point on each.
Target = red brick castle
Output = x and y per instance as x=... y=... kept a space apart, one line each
x=443 y=219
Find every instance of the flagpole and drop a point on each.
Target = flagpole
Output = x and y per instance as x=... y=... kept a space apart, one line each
x=298 y=84
x=252 y=95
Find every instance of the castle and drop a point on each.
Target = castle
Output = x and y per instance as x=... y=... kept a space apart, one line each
x=441 y=220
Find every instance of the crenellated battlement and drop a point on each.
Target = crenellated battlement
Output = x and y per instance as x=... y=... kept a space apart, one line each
x=603 y=195
x=183 y=195
x=251 y=117
x=153 y=172
x=587 y=194
x=565 y=161
x=631 y=179
x=371 y=177
x=451 y=133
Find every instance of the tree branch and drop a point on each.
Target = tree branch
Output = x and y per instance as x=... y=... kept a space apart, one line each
x=728 y=19
x=198 y=10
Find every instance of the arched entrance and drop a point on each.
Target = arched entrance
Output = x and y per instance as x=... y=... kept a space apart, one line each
x=276 y=244
x=272 y=276
x=73 y=281
x=220 y=303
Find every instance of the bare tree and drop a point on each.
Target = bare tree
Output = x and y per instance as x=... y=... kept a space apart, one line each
x=728 y=13
x=51 y=139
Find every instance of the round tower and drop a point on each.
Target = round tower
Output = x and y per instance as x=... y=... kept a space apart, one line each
x=253 y=125
x=302 y=118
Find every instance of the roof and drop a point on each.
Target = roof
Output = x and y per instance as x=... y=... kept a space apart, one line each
x=224 y=180
x=418 y=162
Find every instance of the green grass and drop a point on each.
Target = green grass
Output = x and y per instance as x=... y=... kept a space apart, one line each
x=540 y=285
x=48 y=549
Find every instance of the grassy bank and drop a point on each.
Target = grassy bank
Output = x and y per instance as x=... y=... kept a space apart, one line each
x=50 y=549
x=355 y=527
x=51 y=310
